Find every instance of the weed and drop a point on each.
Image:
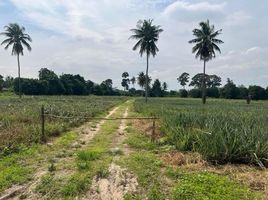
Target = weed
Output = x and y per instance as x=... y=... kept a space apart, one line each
x=102 y=172
x=116 y=151
x=202 y=186
x=89 y=155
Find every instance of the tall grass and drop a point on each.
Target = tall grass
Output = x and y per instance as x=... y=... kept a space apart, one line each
x=222 y=131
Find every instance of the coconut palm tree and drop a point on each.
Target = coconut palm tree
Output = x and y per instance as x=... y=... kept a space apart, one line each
x=141 y=79
x=206 y=43
x=133 y=81
x=17 y=38
x=147 y=35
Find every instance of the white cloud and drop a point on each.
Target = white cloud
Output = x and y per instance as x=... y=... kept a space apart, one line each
x=90 y=37
x=179 y=5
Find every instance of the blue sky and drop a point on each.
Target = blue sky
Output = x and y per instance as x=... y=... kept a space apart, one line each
x=90 y=37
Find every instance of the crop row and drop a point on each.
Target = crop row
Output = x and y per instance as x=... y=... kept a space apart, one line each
x=221 y=131
x=20 y=119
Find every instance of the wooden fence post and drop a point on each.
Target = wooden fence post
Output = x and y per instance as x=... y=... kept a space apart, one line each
x=43 y=136
x=153 y=131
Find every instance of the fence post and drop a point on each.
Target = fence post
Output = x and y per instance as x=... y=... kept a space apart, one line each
x=153 y=131
x=43 y=137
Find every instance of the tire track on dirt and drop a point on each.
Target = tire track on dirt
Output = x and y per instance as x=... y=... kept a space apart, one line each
x=26 y=191
x=119 y=182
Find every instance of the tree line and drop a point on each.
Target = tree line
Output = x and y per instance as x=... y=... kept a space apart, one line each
x=205 y=47
x=49 y=83
x=213 y=82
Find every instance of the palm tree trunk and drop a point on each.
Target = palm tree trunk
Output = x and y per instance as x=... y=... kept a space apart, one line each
x=146 y=80
x=204 y=84
x=18 y=59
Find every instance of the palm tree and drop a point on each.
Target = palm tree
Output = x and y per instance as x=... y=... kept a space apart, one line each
x=147 y=35
x=141 y=79
x=16 y=37
x=133 y=81
x=205 y=46
x=125 y=80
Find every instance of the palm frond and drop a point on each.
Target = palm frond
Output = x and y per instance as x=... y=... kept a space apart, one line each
x=16 y=37
x=148 y=35
x=205 y=41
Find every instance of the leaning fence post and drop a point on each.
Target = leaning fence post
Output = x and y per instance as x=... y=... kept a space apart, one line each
x=43 y=137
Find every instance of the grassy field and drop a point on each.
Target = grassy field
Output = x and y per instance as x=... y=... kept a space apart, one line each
x=20 y=118
x=221 y=131
x=179 y=164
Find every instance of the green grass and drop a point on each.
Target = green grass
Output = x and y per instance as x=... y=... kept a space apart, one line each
x=92 y=161
x=17 y=168
x=20 y=118
x=202 y=186
x=139 y=141
x=221 y=131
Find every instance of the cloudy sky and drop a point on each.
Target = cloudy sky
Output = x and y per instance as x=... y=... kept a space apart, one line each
x=90 y=37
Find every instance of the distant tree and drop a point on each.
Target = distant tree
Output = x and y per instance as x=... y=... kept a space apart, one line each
x=229 y=90
x=205 y=46
x=107 y=87
x=213 y=92
x=46 y=74
x=195 y=93
x=183 y=79
x=164 y=86
x=90 y=87
x=16 y=36
x=156 y=90
x=9 y=82
x=210 y=80
x=147 y=35
x=1 y=82
x=197 y=80
x=133 y=81
x=74 y=84
x=257 y=92
x=214 y=81
x=142 y=80
x=97 y=89
x=125 y=75
x=173 y=93
x=55 y=86
x=183 y=93
x=31 y=86
x=125 y=81
x=243 y=92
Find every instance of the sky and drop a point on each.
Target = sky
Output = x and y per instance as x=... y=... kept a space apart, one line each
x=91 y=38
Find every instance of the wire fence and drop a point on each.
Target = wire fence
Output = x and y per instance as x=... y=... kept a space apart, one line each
x=45 y=114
